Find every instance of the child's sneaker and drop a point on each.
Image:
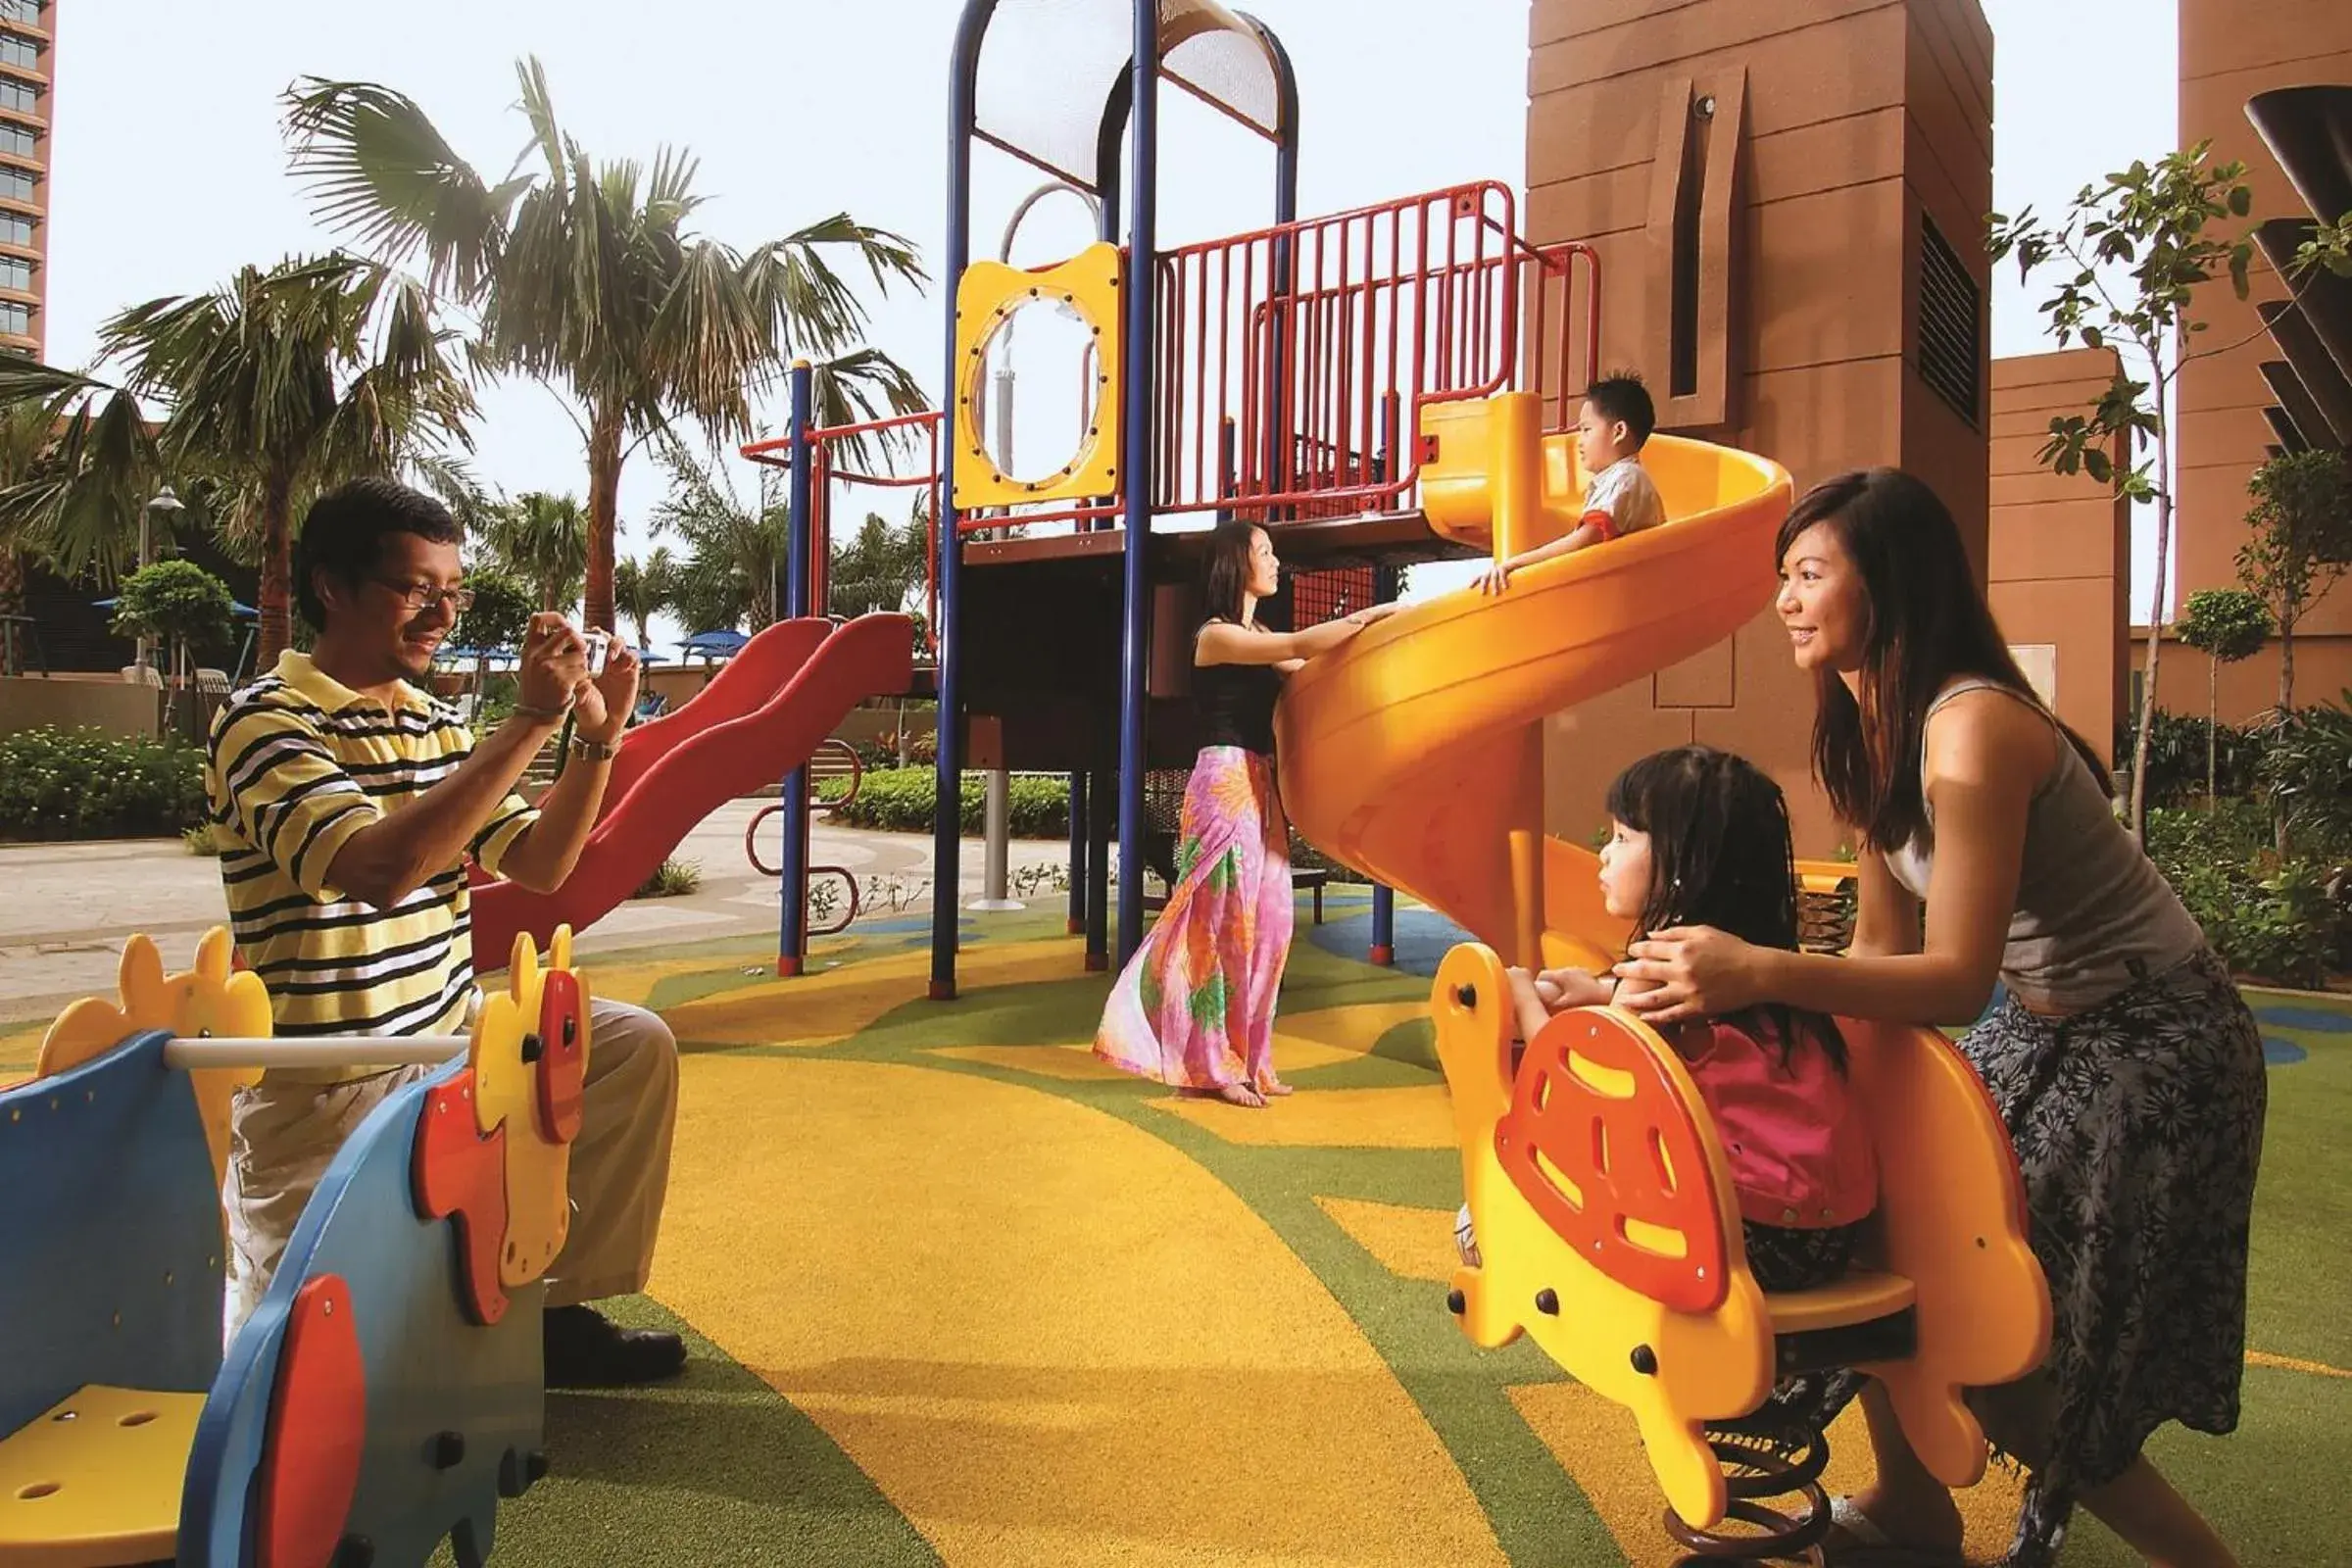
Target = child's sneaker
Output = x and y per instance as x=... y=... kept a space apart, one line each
x=1465 y=1239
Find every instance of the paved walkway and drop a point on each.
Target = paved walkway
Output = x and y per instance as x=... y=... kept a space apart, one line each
x=66 y=908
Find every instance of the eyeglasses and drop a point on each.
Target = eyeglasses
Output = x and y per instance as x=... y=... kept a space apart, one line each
x=419 y=596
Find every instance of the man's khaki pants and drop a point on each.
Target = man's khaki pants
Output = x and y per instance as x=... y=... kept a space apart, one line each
x=282 y=1136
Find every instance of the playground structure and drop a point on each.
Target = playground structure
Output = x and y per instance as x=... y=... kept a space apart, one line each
x=1281 y=374
x=386 y=1392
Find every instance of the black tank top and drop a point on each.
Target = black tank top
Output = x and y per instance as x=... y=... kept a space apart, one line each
x=1235 y=704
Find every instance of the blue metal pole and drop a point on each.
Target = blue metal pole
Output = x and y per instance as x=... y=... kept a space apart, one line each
x=947 y=827
x=1135 y=465
x=792 y=933
x=1098 y=874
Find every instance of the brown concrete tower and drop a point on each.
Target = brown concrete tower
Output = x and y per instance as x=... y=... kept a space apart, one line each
x=1788 y=202
x=2228 y=53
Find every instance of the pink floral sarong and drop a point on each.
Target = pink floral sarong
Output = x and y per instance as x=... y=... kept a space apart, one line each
x=1195 y=1006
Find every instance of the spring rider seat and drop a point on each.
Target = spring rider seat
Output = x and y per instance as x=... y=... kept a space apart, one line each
x=1608 y=1229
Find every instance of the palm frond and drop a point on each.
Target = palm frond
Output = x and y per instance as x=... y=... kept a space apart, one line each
x=862 y=385
x=79 y=509
x=380 y=170
x=889 y=255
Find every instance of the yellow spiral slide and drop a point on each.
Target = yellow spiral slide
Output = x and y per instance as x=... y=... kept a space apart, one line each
x=1416 y=753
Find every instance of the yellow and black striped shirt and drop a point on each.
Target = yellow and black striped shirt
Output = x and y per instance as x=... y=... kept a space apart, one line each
x=298 y=765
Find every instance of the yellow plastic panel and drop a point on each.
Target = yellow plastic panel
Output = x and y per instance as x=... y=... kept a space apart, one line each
x=988 y=294
x=94 y=1481
x=538 y=1203
x=210 y=999
x=1952 y=1212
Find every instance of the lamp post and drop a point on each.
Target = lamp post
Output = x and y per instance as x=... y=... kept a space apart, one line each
x=157 y=514
x=995 y=894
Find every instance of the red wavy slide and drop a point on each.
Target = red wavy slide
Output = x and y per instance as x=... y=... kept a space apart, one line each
x=763 y=715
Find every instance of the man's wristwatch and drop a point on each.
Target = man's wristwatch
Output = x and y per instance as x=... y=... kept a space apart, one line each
x=590 y=750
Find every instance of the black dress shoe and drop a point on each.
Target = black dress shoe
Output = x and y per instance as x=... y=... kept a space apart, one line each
x=585 y=1350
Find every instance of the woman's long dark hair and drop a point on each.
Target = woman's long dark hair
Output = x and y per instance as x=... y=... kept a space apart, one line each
x=1720 y=854
x=1928 y=622
x=1225 y=570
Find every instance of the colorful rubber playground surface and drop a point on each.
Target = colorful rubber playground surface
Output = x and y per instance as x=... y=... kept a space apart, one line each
x=959 y=1295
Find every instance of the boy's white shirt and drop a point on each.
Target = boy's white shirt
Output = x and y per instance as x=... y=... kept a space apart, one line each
x=1627 y=493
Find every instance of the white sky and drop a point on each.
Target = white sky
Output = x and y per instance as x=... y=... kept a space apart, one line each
x=169 y=171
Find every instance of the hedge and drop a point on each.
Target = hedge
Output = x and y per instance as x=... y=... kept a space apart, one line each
x=92 y=784
x=903 y=800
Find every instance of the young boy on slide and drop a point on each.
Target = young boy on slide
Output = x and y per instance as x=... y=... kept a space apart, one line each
x=1616 y=420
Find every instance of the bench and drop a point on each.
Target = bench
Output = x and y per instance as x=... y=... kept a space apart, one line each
x=1313 y=877
x=1160 y=857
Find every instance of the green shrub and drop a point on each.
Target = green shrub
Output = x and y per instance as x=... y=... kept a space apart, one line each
x=2306 y=772
x=2176 y=757
x=900 y=800
x=2269 y=917
x=671 y=879
x=200 y=841
x=92 y=784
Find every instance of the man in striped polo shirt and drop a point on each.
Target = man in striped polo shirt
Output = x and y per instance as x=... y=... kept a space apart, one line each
x=349 y=802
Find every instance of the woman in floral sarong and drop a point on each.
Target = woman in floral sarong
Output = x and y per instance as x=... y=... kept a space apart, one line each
x=1195 y=1006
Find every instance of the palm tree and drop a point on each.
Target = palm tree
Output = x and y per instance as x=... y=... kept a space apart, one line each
x=736 y=554
x=27 y=437
x=543 y=539
x=643 y=589
x=279 y=384
x=585 y=277
x=78 y=472
x=881 y=567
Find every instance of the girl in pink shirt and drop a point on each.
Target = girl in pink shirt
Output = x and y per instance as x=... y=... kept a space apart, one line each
x=1700 y=837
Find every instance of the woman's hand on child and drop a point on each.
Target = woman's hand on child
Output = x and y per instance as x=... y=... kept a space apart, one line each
x=1693 y=972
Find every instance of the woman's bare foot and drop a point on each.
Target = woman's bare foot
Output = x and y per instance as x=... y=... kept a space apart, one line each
x=1241 y=1095
x=1274 y=1087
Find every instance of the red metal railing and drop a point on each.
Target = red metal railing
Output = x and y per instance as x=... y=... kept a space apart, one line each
x=825 y=471
x=1290 y=365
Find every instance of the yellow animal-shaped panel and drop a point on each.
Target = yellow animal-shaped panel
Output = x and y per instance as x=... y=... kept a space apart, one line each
x=1675 y=1371
x=507 y=1094
x=211 y=999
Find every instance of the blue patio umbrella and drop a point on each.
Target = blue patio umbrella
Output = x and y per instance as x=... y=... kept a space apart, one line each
x=238 y=606
x=714 y=643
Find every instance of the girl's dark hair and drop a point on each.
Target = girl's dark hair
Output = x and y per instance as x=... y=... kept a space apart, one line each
x=1927 y=623
x=1225 y=570
x=1720 y=854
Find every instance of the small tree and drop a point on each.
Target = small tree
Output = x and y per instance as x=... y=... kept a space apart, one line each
x=180 y=604
x=498 y=617
x=2301 y=544
x=2160 y=224
x=879 y=567
x=543 y=540
x=2225 y=625
x=642 y=590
